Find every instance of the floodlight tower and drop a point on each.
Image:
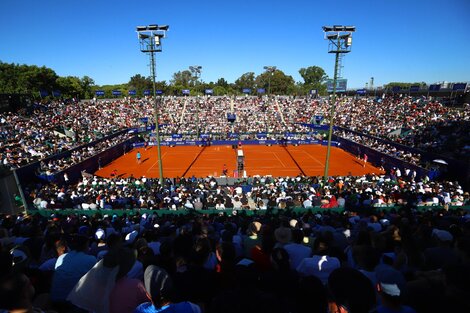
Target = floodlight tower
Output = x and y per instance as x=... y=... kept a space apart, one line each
x=269 y=69
x=340 y=41
x=150 y=42
x=196 y=71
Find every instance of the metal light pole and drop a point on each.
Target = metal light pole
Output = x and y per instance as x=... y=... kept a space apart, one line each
x=196 y=71
x=340 y=40
x=270 y=70
x=150 y=42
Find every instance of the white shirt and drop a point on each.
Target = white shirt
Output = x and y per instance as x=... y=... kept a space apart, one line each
x=307 y=203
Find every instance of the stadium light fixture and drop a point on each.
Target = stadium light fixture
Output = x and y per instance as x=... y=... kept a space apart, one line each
x=340 y=42
x=332 y=36
x=150 y=42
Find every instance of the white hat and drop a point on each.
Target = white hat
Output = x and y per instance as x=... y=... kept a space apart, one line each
x=100 y=234
x=130 y=237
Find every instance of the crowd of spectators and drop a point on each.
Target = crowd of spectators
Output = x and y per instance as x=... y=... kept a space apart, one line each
x=52 y=167
x=422 y=123
x=400 y=261
x=449 y=138
x=361 y=260
x=209 y=116
x=384 y=147
x=94 y=193
x=35 y=133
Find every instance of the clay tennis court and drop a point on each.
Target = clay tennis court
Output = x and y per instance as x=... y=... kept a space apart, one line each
x=259 y=160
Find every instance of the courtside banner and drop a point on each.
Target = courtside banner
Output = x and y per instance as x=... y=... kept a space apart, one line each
x=460 y=86
x=436 y=87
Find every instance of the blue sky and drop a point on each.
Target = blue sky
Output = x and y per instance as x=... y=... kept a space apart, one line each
x=396 y=40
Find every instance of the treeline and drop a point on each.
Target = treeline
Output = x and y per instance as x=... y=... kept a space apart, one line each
x=34 y=80
x=405 y=86
x=44 y=82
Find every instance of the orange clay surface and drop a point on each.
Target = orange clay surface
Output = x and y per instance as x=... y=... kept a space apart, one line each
x=259 y=160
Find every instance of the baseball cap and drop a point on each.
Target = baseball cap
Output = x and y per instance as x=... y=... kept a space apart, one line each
x=391 y=281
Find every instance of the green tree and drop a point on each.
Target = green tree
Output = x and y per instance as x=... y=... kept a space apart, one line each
x=87 y=83
x=222 y=82
x=220 y=91
x=140 y=83
x=108 y=89
x=313 y=75
x=182 y=78
x=161 y=85
x=405 y=85
x=314 y=78
x=9 y=78
x=70 y=86
x=280 y=82
x=247 y=80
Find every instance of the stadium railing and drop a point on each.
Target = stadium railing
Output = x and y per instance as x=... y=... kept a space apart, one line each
x=295 y=210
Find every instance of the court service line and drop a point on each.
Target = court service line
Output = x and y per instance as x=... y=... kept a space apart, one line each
x=314 y=158
x=151 y=167
x=275 y=154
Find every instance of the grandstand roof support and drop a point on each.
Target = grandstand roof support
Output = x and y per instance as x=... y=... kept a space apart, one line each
x=150 y=42
x=340 y=40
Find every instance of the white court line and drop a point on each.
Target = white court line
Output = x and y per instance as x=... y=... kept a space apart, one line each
x=151 y=167
x=312 y=157
x=275 y=154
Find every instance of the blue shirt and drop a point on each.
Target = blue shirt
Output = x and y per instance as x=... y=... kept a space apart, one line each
x=182 y=307
x=403 y=309
x=69 y=268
